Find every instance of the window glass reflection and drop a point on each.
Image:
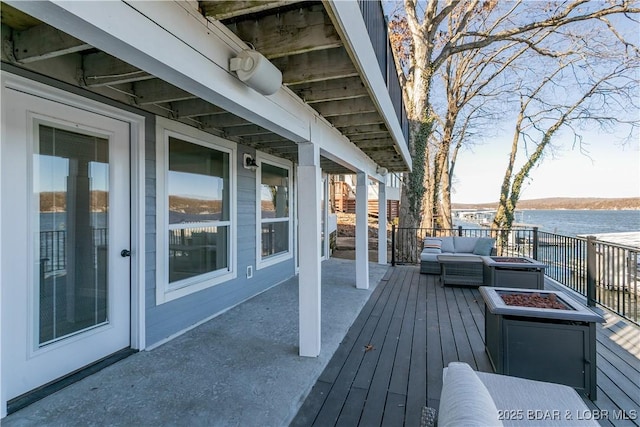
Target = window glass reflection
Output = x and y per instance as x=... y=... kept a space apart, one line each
x=274 y=191
x=198 y=182
x=275 y=238
x=198 y=197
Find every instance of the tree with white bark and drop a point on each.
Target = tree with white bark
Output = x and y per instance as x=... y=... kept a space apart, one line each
x=592 y=85
x=431 y=38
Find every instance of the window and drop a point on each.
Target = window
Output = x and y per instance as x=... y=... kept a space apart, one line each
x=195 y=214
x=274 y=211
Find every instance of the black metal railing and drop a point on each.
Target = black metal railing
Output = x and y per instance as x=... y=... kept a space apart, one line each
x=53 y=248
x=515 y=242
x=376 y=24
x=53 y=253
x=605 y=273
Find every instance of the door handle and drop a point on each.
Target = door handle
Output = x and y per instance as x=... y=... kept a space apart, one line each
x=125 y=253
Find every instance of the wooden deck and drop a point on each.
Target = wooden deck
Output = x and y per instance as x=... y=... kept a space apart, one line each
x=389 y=365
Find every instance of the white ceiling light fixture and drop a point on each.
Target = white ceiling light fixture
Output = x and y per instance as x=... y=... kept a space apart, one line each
x=256 y=71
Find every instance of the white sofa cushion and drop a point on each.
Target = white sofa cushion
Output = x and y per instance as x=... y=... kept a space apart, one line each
x=464 y=244
x=484 y=246
x=428 y=256
x=447 y=244
x=536 y=403
x=465 y=401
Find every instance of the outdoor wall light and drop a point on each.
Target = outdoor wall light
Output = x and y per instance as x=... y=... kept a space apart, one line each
x=256 y=71
x=381 y=170
x=249 y=162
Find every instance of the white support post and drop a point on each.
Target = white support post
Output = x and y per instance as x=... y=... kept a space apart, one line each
x=382 y=223
x=309 y=279
x=362 y=231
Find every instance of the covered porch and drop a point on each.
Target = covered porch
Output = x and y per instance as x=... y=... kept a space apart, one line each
x=217 y=180
x=242 y=368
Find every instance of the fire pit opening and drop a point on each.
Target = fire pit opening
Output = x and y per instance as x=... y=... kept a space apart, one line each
x=510 y=259
x=535 y=300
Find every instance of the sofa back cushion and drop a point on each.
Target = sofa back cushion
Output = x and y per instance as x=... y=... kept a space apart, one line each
x=464 y=244
x=464 y=400
x=447 y=245
x=483 y=247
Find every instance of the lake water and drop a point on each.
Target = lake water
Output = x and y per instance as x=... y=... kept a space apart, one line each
x=580 y=222
x=569 y=222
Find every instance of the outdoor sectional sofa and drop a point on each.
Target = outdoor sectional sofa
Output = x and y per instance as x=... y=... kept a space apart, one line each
x=452 y=245
x=470 y=398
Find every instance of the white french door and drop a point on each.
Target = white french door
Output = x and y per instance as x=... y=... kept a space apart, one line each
x=65 y=216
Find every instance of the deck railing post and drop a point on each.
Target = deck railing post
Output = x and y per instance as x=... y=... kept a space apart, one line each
x=393 y=245
x=591 y=271
x=460 y=230
x=535 y=243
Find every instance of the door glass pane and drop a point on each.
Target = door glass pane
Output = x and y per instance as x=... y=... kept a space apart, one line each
x=71 y=185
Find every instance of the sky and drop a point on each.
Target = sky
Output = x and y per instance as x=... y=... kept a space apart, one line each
x=612 y=171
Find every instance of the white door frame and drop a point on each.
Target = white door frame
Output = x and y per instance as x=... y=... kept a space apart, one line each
x=137 y=194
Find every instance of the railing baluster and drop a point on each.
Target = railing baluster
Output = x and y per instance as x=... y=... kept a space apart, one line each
x=591 y=271
x=393 y=245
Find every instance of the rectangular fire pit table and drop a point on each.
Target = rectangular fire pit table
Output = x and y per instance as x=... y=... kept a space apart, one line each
x=461 y=269
x=547 y=344
x=514 y=272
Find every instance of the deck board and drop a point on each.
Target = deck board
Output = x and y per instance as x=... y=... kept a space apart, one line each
x=416 y=390
x=416 y=327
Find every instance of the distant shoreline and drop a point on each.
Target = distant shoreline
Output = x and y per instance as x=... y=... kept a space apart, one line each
x=563 y=203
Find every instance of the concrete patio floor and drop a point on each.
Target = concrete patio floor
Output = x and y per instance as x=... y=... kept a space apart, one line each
x=239 y=369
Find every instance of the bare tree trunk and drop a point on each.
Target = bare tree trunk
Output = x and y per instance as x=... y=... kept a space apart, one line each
x=463 y=29
x=413 y=192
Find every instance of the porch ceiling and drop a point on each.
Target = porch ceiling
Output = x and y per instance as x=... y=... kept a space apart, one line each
x=299 y=38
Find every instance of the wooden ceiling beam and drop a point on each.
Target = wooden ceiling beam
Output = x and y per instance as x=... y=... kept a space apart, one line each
x=331 y=90
x=382 y=157
x=278 y=146
x=315 y=66
x=375 y=144
x=363 y=129
x=282 y=150
x=345 y=107
x=290 y=32
x=369 y=136
x=156 y=91
x=259 y=140
x=194 y=108
x=223 y=120
x=355 y=120
x=17 y=19
x=233 y=8
x=44 y=42
x=246 y=130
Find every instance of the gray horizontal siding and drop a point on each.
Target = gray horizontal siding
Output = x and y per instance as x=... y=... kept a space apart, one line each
x=168 y=319
x=172 y=317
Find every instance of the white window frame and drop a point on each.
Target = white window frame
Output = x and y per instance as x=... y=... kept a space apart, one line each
x=274 y=259
x=165 y=291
